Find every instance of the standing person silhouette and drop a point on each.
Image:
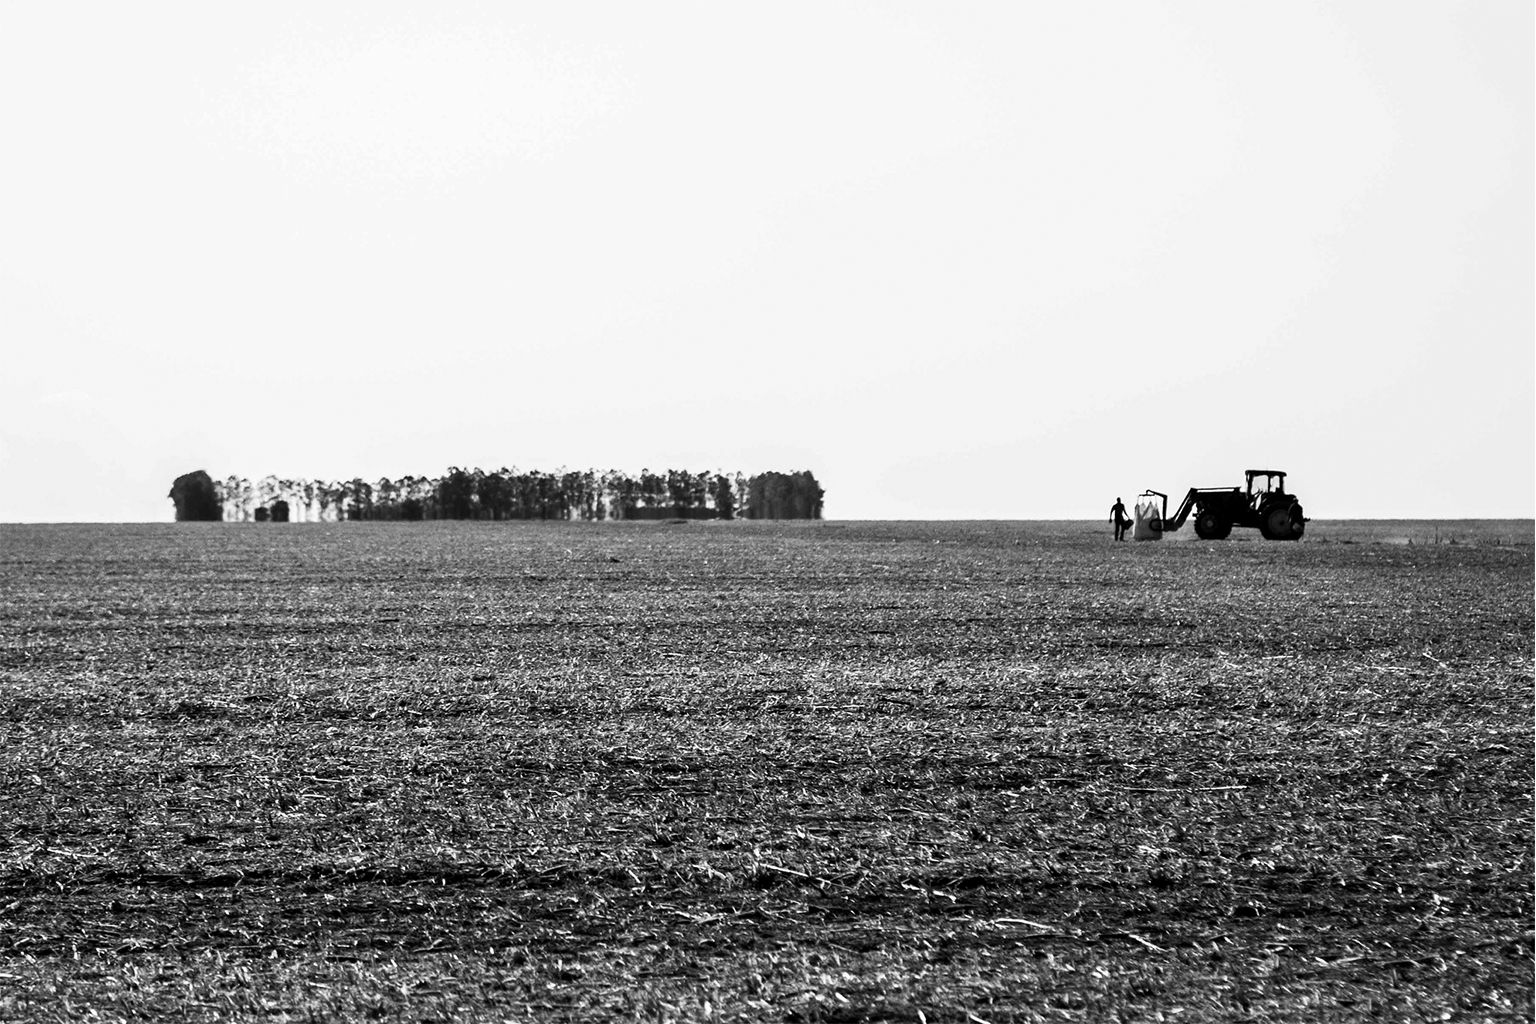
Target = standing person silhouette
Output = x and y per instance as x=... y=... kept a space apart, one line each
x=1120 y=519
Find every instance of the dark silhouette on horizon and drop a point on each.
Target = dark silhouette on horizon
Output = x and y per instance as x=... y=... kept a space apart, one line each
x=197 y=498
x=511 y=494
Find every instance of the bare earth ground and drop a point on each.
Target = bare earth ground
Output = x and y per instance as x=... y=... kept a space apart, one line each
x=747 y=771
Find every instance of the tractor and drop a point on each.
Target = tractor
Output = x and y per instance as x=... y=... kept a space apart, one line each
x=1263 y=505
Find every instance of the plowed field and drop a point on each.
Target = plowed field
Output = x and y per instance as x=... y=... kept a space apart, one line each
x=751 y=771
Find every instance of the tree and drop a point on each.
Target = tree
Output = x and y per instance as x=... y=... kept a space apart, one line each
x=288 y=494
x=268 y=490
x=679 y=491
x=577 y=495
x=308 y=493
x=420 y=498
x=545 y=486
x=238 y=496
x=359 y=499
x=742 y=489
x=229 y=495
x=784 y=496
x=456 y=494
x=386 y=499
x=625 y=494
x=197 y=498
x=725 y=497
x=653 y=489
x=495 y=492
x=333 y=499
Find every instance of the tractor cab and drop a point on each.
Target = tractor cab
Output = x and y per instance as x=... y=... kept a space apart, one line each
x=1261 y=484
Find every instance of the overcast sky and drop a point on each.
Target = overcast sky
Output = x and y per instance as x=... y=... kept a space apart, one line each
x=960 y=260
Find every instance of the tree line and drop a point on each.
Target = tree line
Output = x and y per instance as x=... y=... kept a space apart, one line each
x=502 y=494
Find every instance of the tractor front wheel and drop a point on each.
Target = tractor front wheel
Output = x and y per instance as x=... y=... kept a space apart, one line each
x=1210 y=525
x=1284 y=522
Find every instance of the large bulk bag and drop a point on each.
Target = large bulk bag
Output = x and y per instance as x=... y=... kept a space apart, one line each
x=1149 y=521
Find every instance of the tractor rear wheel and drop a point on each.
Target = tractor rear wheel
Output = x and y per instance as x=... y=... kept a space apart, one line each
x=1210 y=525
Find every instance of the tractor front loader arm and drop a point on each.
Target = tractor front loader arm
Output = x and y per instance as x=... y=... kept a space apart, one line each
x=1169 y=525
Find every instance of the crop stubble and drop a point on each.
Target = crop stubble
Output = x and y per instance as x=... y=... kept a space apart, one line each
x=763 y=771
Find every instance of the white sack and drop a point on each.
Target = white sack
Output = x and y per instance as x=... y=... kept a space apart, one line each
x=1148 y=511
